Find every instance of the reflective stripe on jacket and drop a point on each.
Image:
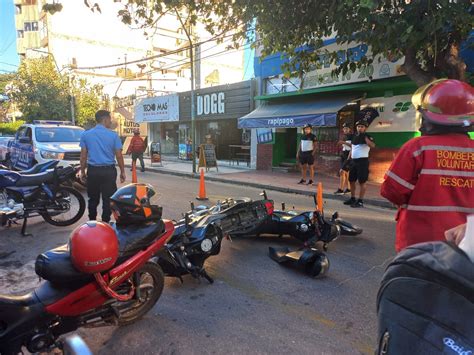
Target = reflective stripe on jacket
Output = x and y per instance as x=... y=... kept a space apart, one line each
x=432 y=180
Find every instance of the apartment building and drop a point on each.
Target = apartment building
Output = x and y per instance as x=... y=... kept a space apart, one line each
x=97 y=46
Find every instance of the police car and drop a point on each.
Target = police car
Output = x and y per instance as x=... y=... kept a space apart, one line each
x=42 y=141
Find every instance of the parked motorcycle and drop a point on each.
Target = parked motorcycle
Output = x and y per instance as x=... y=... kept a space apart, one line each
x=23 y=196
x=102 y=277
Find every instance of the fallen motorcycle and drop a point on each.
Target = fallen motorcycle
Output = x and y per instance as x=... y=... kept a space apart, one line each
x=102 y=277
x=199 y=235
x=43 y=194
x=308 y=227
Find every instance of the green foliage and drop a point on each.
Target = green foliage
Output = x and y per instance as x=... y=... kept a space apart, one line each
x=40 y=91
x=427 y=32
x=87 y=102
x=10 y=128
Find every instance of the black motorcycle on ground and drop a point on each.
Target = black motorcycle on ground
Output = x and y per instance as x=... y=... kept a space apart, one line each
x=43 y=194
x=199 y=235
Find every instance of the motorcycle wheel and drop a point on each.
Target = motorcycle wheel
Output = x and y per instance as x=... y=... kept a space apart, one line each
x=152 y=281
x=65 y=192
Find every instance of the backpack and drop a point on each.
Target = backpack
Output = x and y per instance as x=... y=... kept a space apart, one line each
x=425 y=304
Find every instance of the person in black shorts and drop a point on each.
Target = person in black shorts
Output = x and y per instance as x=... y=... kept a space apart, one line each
x=306 y=153
x=345 y=143
x=361 y=144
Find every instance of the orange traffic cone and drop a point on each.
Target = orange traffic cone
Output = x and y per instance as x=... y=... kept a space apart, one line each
x=134 y=172
x=319 y=197
x=202 y=188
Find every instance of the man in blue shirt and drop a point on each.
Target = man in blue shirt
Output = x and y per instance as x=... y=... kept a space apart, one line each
x=100 y=146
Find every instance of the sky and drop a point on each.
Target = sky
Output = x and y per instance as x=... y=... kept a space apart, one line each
x=8 y=57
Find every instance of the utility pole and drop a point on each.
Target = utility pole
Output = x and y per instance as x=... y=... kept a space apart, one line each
x=193 y=108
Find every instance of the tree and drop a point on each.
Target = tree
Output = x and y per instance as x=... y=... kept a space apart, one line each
x=428 y=33
x=40 y=91
x=5 y=81
x=88 y=99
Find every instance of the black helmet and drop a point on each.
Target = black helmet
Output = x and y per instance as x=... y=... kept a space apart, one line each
x=314 y=262
x=362 y=123
x=132 y=204
x=307 y=125
x=346 y=125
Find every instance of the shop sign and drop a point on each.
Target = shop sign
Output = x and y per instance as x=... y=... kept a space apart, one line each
x=380 y=68
x=157 y=109
x=218 y=102
x=210 y=104
x=397 y=114
x=125 y=101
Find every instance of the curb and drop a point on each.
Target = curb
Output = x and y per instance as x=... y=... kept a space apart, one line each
x=371 y=202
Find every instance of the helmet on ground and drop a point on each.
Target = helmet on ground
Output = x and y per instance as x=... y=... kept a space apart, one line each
x=133 y=204
x=93 y=247
x=446 y=102
x=314 y=263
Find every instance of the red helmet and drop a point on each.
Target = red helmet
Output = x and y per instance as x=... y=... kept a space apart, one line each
x=94 y=247
x=446 y=102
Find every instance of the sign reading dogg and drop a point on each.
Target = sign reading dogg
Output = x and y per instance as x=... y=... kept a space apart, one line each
x=218 y=102
x=157 y=109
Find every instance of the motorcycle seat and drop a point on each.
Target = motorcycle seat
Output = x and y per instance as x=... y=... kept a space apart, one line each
x=56 y=266
x=133 y=238
x=34 y=179
x=38 y=168
x=19 y=301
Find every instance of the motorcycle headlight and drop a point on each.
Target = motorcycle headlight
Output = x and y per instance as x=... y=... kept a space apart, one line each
x=46 y=154
x=206 y=245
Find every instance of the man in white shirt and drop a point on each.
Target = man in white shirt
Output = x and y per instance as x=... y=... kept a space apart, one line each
x=360 y=147
x=306 y=153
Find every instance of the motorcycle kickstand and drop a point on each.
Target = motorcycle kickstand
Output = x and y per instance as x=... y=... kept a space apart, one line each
x=206 y=276
x=23 y=228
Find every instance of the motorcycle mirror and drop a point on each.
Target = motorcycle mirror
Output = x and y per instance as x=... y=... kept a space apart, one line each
x=192 y=205
x=315 y=199
x=264 y=194
x=283 y=206
x=186 y=219
x=335 y=216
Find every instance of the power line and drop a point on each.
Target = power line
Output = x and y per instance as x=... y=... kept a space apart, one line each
x=151 y=57
x=12 y=65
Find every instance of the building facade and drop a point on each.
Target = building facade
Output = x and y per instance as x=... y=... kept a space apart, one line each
x=327 y=101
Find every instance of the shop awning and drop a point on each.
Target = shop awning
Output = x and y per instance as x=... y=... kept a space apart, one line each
x=317 y=112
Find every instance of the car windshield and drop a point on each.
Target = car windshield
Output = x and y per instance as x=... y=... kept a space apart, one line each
x=58 y=134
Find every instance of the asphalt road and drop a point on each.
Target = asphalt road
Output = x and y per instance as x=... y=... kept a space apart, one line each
x=255 y=305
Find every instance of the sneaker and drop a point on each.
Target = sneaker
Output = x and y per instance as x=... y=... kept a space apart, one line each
x=338 y=192
x=143 y=170
x=347 y=191
x=302 y=181
x=350 y=201
x=359 y=203
x=310 y=182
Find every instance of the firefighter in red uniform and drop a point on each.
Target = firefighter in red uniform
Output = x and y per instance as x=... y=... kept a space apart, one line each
x=431 y=179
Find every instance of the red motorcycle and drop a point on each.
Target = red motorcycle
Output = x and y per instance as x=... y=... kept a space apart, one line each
x=106 y=276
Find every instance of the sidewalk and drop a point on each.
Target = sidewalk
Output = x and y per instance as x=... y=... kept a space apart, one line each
x=276 y=181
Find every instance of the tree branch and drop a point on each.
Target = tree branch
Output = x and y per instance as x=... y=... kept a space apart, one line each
x=413 y=69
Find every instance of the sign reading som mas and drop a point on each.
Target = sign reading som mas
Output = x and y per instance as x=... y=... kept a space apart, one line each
x=157 y=109
x=397 y=114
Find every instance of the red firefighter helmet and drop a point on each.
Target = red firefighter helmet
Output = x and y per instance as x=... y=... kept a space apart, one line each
x=446 y=102
x=94 y=247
